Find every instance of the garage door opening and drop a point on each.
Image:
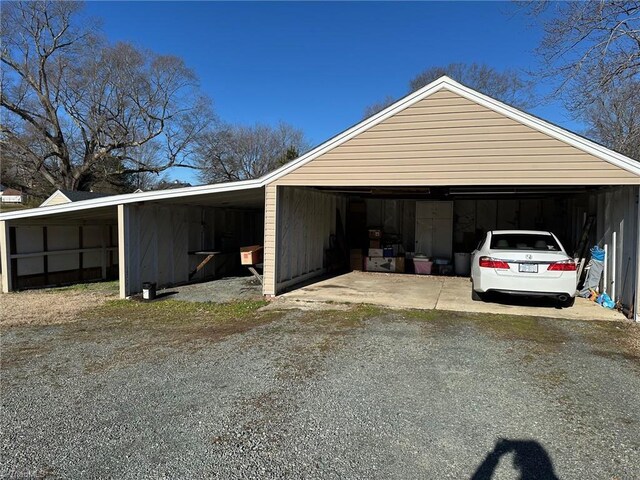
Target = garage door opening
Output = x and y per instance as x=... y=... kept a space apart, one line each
x=189 y=239
x=433 y=230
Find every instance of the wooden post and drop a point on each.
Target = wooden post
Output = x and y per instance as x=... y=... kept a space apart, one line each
x=5 y=257
x=270 y=241
x=123 y=236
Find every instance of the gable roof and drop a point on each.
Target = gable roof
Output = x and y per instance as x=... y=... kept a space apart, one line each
x=77 y=196
x=554 y=131
x=570 y=138
x=67 y=196
x=10 y=192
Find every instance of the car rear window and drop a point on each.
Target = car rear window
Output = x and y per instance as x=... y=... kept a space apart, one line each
x=524 y=241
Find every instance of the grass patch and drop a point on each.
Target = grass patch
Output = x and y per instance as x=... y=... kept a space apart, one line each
x=12 y=207
x=173 y=312
x=132 y=331
x=110 y=287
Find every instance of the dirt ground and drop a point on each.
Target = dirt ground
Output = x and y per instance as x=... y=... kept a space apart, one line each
x=54 y=305
x=177 y=389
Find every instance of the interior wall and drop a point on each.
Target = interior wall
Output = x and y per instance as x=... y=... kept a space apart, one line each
x=49 y=255
x=473 y=218
x=617 y=214
x=167 y=242
x=306 y=219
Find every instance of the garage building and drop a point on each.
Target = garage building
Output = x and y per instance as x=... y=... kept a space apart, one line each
x=433 y=171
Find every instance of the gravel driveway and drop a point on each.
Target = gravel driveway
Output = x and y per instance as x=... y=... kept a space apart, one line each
x=361 y=393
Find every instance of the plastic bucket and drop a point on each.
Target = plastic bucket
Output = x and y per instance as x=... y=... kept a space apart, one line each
x=422 y=266
x=462 y=262
x=148 y=291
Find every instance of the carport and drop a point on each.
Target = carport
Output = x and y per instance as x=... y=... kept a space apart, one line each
x=434 y=171
x=160 y=237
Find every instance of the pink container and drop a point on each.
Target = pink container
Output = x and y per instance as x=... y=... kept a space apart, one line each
x=422 y=266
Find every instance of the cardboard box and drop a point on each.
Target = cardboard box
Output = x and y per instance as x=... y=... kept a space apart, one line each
x=388 y=252
x=381 y=264
x=375 y=233
x=400 y=268
x=375 y=252
x=356 y=260
x=375 y=244
x=251 y=255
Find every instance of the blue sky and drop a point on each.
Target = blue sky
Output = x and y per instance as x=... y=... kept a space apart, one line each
x=318 y=65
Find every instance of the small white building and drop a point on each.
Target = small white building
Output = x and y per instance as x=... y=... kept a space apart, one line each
x=10 y=195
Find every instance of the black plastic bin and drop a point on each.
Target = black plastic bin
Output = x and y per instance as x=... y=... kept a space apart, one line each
x=148 y=291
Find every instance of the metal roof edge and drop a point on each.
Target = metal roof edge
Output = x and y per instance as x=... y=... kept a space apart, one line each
x=127 y=198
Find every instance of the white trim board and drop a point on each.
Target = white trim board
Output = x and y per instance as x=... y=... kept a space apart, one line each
x=114 y=200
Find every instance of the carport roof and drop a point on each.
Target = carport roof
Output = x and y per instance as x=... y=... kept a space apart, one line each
x=178 y=194
x=444 y=82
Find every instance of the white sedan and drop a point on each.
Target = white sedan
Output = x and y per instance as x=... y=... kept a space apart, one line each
x=523 y=262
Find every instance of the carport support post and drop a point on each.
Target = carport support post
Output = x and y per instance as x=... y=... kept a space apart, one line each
x=636 y=309
x=5 y=257
x=123 y=250
x=270 y=262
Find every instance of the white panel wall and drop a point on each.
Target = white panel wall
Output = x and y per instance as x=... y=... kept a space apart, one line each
x=617 y=216
x=306 y=220
x=160 y=238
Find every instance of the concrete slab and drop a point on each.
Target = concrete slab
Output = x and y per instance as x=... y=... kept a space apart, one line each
x=223 y=290
x=429 y=292
x=456 y=296
x=385 y=289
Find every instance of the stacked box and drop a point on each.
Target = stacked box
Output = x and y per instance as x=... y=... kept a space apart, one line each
x=375 y=234
x=375 y=244
x=356 y=260
x=381 y=264
x=375 y=252
x=387 y=252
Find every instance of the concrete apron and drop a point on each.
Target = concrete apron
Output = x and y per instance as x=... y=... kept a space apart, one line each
x=426 y=293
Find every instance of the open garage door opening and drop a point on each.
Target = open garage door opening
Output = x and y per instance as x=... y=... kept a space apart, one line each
x=433 y=230
x=189 y=239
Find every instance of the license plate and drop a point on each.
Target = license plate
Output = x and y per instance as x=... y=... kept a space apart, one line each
x=528 y=267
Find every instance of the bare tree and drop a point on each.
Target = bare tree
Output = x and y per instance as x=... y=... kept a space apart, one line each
x=613 y=116
x=591 y=37
x=374 y=108
x=77 y=110
x=592 y=51
x=233 y=152
x=508 y=86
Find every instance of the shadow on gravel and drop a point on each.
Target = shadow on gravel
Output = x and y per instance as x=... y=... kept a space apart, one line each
x=530 y=460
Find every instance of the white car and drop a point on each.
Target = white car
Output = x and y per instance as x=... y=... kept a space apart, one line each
x=523 y=262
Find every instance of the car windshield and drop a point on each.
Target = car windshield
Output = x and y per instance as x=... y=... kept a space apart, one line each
x=524 y=241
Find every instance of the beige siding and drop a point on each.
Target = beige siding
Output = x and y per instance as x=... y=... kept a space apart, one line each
x=269 y=264
x=446 y=139
x=57 y=199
